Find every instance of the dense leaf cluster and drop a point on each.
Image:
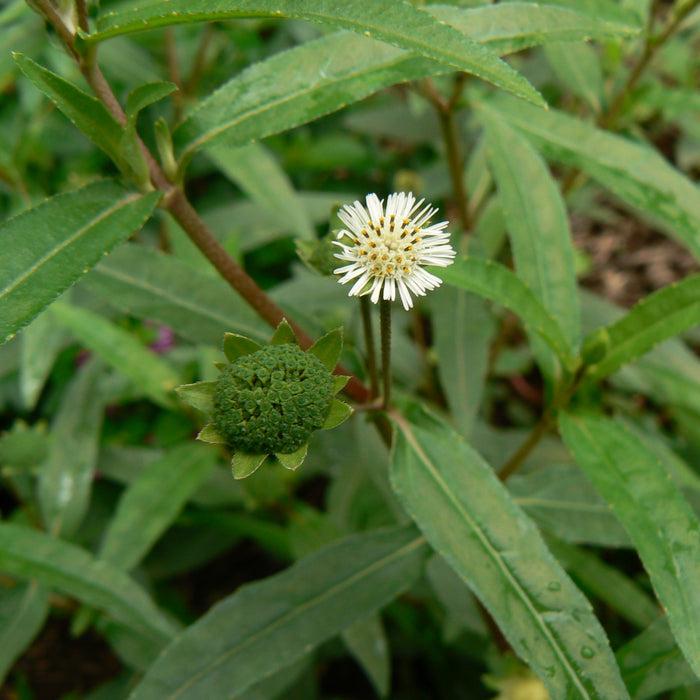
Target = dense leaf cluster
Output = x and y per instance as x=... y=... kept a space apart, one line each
x=272 y=400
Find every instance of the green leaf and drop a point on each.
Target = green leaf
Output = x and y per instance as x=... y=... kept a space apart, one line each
x=602 y=10
x=367 y=641
x=633 y=171
x=27 y=554
x=293 y=460
x=664 y=529
x=23 y=611
x=339 y=382
x=562 y=501
x=513 y=26
x=208 y=434
x=42 y=340
x=652 y=663
x=538 y=227
x=129 y=146
x=23 y=446
x=243 y=465
x=199 y=395
x=462 y=332
x=467 y=515
x=283 y=334
x=44 y=250
x=119 y=348
x=145 y=95
x=608 y=584
x=498 y=283
x=669 y=373
x=395 y=23
x=328 y=348
x=236 y=346
x=85 y=111
x=65 y=479
x=152 y=503
x=324 y=75
x=578 y=69
x=149 y=284
x=656 y=318
x=269 y=625
x=255 y=170
x=338 y=413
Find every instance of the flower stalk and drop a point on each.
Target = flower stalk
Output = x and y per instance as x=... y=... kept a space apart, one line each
x=370 y=351
x=385 y=333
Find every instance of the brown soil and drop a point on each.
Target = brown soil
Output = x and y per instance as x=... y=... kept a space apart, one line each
x=629 y=260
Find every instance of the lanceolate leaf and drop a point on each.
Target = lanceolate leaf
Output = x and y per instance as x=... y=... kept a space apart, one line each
x=65 y=479
x=255 y=170
x=149 y=284
x=152 y=502
x=652 y=663
x=670 y=372
x=322 y=76
x=468 y=516
x=538 y=226
x=269 y=625
x=658 y=317
x=463 y=331
x=85 y=111
x=29 y=554
x=23 y=611
x=662 y=525
x=634 y=172
x=508 y=27
x=396 y=23
x=44 y=250
x=498 y=283
x=116 y=346
x=577 y=67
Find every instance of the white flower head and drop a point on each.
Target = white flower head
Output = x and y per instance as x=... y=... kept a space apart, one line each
x=388 y=249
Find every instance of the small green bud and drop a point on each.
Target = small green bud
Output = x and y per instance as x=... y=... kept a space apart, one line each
x=596 y=346
x=272 y=400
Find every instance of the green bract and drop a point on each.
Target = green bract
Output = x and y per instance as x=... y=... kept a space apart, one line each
x=270 y=400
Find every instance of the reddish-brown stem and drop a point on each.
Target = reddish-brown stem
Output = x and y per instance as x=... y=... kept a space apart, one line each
x=81 y=11
x=56 y=21
x=174 y=71
x=175 y=202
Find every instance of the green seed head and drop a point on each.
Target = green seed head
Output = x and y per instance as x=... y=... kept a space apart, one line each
x=272 y=400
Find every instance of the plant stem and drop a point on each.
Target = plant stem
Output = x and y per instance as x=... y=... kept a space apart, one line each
x=542 y=427
x=532 y=440
x=385 y=335
x=81 y=11
x=175 y=202
x=195 y=76
x=370 y=351
x=448 y=124
x=56 y=21
x=174 y=71
x=652 y=45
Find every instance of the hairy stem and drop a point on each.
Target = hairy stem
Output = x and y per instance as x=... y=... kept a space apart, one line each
x=174 y=71
x=652 y=44
x=370 y=352
x=81 y=11
x=446 y=111
x=542 y=427
x=175 y=202
x=385 y=335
